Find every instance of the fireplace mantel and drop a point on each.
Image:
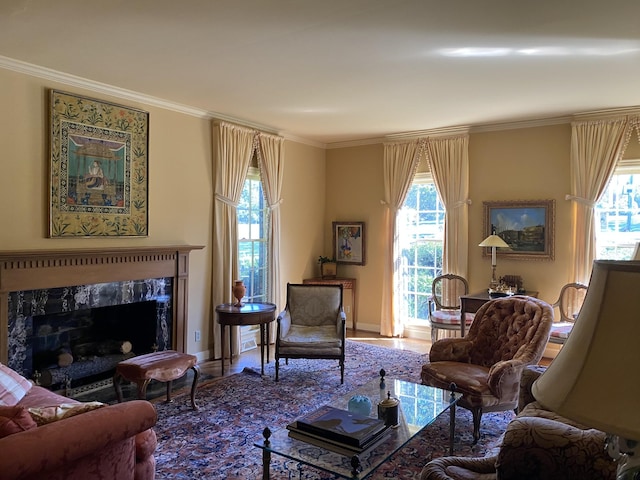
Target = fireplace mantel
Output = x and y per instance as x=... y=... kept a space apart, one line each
x=41 y=269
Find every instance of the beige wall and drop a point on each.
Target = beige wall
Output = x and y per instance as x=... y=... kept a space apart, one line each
x=180 y=191
x=355 y=189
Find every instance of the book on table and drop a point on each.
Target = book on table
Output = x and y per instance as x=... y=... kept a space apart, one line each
x=334 y=446
x=341 y=426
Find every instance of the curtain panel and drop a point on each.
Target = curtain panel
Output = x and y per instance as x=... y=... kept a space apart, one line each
x=400 y=163
x=449 y=163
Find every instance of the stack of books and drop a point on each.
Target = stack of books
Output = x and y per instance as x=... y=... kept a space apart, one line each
x=338 y=430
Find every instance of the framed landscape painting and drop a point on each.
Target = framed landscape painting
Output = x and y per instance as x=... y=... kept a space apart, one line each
x=526 y=225
x=348 y=243
x=98 y=168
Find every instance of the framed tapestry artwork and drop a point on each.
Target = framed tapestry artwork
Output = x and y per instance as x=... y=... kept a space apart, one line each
x=348 y=243
x=526 y=225
x=98 y=168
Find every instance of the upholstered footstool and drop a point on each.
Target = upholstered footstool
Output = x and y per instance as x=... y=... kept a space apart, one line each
x=164 y=366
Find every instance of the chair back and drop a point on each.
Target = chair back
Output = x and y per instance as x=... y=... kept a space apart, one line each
x=446 y=290
x=314 y=304
x=510 y=327
x=570 y=301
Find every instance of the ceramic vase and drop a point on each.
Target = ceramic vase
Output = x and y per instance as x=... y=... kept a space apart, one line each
x=238 y=292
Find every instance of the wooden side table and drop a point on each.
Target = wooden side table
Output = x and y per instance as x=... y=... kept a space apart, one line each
x=472 y=302
x=248 y=314
x=348 y=284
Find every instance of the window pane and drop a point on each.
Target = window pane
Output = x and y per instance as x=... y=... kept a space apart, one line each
x=253 y=241
x=618 y=218
x=421 y=230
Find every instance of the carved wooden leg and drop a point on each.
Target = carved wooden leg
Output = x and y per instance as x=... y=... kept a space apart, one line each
x=196 y=375
x=142 y=388
x=116 y=384
x=169 y=384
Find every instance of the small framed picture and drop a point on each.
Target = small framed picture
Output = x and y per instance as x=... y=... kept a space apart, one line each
x=526 y=225
x=348 y=243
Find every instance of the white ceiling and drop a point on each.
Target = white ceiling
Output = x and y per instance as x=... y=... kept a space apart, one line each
x=332 y=71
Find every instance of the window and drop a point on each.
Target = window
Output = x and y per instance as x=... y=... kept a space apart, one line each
x=421 y=233
x=618 y=213
x=253 y=239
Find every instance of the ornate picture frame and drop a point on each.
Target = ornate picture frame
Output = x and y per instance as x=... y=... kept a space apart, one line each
x=526 y=225
x=349 y=243
x=98 y=168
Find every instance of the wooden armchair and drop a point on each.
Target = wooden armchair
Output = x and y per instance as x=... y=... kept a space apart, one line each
x=507 y=335
x=569 y=304
x=312 y=325
x=444 y=303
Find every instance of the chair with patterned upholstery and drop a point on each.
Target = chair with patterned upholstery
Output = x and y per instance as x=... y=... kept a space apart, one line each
x=444 y=303
x=507 y=335
x=569 y=304
x=312 y=325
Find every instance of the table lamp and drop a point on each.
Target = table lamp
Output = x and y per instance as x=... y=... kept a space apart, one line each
x=493 y=241
x=592 y=380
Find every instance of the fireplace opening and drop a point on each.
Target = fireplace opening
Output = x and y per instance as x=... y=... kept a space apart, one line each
x=72 y=349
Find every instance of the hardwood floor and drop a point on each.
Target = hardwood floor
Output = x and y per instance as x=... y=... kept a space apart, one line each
x=251 y=358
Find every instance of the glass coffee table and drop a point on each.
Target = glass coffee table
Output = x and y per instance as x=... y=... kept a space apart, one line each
x=420 y=405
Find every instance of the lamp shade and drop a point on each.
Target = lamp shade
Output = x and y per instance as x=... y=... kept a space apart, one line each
x=636 y=252
x=593 y=380
x=493 y=241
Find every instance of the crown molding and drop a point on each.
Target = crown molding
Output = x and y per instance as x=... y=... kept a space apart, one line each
x=122 y=93
x=105 y=89
x=607 y=113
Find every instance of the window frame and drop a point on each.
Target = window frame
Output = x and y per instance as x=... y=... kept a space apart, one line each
x=622 y=248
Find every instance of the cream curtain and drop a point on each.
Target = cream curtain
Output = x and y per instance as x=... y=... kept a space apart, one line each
x=399 y=163
x=449 y=164
x=596 y=147
x=233 y=151
x=271 y=164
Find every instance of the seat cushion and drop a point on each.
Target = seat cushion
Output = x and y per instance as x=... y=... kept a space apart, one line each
x=471 y=380
x=561 y=330
x=312 y=337
x=450 y=317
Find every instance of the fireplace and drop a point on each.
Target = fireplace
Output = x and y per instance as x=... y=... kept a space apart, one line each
x=69 y=287
x=70 y=336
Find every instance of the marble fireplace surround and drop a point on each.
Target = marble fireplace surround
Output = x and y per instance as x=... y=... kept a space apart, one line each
x=44 y=269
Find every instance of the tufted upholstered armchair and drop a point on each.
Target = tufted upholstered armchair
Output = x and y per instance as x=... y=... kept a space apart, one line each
x=506 y=335
x=538 y=445
x=312 y=325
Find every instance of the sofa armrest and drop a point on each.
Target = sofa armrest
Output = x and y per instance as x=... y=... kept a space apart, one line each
x=450 y=350
x=529 y=375
x=34 y=452
x=539 y=448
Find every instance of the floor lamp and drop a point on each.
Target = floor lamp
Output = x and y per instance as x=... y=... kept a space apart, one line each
x=493 y=241
x=591 y=380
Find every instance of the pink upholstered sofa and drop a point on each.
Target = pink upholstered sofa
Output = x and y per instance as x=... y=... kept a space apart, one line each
x=110 y=442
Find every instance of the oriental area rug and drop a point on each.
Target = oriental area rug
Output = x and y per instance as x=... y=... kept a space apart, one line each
x=217 y=442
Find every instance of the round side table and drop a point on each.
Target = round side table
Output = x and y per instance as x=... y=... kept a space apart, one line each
x=248 y=314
